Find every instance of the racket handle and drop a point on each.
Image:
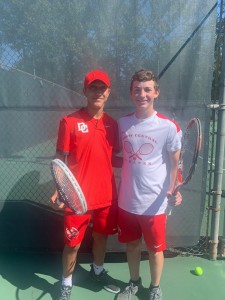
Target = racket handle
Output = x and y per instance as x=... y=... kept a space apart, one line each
x=58 y=202
x=168 y=210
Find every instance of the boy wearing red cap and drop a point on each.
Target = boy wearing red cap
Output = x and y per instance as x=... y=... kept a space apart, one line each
x=87 y=140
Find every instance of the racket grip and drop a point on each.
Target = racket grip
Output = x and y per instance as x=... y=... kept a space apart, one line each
x=58 y=202
x=168 y=210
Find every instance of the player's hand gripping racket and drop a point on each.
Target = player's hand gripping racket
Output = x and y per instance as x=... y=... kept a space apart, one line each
x=191 y=146
x=68 y=188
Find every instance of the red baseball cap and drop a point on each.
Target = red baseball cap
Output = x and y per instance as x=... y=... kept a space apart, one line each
x=96 y=75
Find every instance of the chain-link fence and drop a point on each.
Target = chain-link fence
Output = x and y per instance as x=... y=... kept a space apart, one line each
x=45 y=51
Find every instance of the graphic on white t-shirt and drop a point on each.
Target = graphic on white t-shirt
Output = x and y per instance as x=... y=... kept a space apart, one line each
x=144 y=149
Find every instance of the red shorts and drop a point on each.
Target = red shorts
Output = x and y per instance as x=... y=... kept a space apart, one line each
x=131 y=227
x=103 y=221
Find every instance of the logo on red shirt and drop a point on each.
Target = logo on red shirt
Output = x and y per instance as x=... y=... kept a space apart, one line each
x=82 y=127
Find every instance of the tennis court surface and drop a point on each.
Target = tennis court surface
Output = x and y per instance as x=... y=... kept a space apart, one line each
x=36 y=276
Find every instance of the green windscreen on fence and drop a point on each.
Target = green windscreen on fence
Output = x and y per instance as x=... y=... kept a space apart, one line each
x=46 y=48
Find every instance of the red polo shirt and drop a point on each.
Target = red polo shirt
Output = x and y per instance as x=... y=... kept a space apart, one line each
x=89 y=144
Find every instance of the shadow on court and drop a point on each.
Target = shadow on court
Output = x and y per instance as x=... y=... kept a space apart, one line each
x=31 y=243
x=25 y=271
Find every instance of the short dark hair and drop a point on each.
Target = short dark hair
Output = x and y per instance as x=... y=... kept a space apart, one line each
x=145 y=75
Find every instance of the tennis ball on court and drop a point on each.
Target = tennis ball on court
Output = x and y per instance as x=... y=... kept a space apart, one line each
x=198 y=271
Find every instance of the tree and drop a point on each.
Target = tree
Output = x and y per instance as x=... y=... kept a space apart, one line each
x=61 y=40
x=220 y=30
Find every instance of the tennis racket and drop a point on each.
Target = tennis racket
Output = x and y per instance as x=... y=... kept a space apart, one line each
x=191 y=146
x=68 y=188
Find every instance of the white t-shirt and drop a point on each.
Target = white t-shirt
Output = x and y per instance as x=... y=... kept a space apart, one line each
x=146 y=144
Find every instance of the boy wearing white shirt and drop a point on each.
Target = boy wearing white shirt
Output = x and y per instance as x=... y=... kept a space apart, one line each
x=151 y=146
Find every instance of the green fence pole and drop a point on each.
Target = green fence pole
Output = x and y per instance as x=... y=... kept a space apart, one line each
x=218 y=175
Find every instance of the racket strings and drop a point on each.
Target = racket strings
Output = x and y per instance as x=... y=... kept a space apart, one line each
x=66 y=190
x=189 y=152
